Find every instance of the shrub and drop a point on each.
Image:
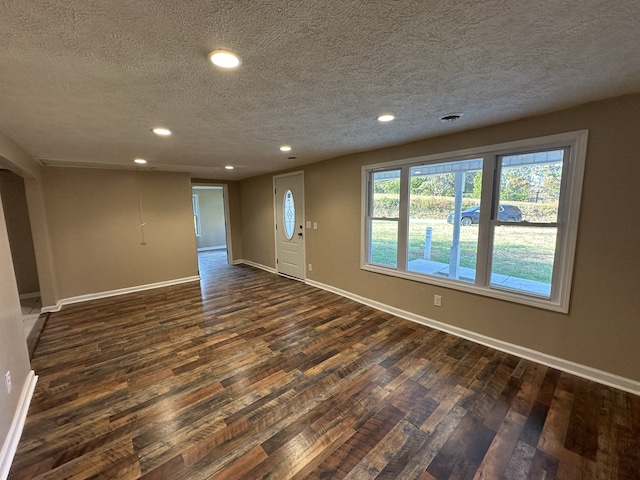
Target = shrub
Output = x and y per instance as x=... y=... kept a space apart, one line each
x=386 y=206
x=430 y=207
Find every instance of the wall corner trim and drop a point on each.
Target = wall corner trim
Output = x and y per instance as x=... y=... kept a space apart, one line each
x=590 y=373
x=10 y=444
x=120 y=291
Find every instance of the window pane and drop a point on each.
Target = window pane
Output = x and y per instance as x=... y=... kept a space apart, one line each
x=288 y=214
x=444 y=207
x=530 y=187
x=384 y=242
x=386 y=194
x=196 y=214
x=523 y=258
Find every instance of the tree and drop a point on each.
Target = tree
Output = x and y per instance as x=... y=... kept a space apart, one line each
x=390 y=185
x=476 y=190
x=515 y=183
x=550 y=185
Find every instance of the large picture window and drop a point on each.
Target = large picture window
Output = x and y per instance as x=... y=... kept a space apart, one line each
x=499 y=220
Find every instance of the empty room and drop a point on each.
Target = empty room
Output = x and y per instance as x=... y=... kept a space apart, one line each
x=337 y=239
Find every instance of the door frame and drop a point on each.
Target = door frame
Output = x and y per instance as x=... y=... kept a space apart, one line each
x=227 y=223
x=275 y=222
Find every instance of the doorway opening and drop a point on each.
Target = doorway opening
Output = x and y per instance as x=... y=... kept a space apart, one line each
x=211 y=225
x=16 y=214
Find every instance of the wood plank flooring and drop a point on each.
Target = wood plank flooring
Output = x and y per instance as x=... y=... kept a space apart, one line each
x=250 y=375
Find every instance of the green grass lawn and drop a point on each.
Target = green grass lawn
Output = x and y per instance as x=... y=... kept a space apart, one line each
x=524 y=252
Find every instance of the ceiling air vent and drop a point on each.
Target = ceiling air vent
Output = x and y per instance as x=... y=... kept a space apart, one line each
x=451 y=117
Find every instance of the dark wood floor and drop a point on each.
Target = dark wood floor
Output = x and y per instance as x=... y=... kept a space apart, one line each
x=251 y=375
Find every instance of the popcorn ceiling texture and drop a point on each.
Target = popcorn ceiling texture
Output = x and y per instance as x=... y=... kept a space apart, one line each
x=83 y=82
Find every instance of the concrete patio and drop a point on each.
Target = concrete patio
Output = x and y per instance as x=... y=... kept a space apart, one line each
x=513 y=283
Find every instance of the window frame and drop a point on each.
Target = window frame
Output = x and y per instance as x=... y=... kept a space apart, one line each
x=567 y=220
x=196 y=214
x=370 y=218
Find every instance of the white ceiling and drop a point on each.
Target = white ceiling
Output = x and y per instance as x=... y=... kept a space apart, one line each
x=82 y=82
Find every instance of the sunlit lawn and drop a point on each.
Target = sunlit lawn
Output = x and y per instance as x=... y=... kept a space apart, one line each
x=524 y=252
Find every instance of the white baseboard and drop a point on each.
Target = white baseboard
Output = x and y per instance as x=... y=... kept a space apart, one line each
x=120 y=291
x=257 y=265
x=206 y=249
x=15 y=431
x=600 y=376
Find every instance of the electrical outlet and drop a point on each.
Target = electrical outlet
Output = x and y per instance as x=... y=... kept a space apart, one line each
x=7 y=377
x=310 y=268
x=437 y=300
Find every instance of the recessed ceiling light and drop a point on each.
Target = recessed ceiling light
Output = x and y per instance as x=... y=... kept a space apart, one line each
x=140 y=161
x=451 y=117
x=387 y=117
x=163 y=132
x=224 y=59
x=285 y=148
x=229 y=167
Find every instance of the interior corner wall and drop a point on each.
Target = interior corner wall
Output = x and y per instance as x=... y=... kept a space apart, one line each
x=258 y=238
x=41 y=240
x=600 y=331
x=16 y=160
x=97 y=242
x=16 y=213
x=235 y=220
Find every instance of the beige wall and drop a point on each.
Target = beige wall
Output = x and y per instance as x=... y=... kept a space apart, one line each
x=256 y=203
x=94 y=217
x=13 y=348
x=13 y=158
x=41 y=240
x=603 y=325
x=212 y=226
x=235 y=220
x=14 y=203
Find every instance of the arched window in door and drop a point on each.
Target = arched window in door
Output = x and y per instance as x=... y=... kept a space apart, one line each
x=289 y=214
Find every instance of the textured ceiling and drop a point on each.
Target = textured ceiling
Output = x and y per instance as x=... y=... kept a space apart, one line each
x=83 y=82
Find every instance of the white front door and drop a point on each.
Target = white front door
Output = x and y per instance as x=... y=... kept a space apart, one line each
x=289 y=210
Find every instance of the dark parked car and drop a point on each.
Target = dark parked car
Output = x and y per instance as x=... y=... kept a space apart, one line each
x=506 y=213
